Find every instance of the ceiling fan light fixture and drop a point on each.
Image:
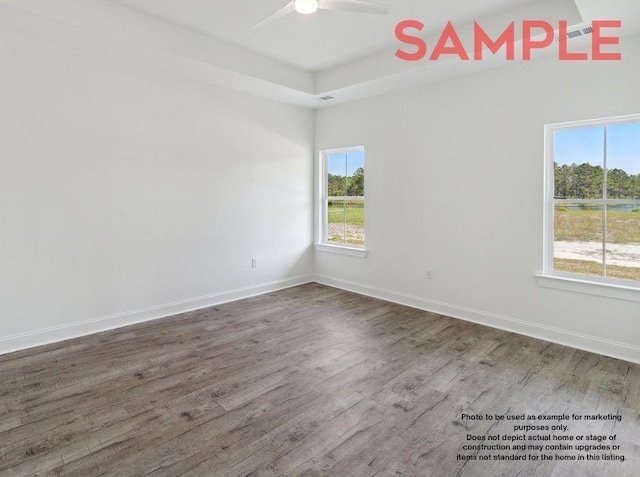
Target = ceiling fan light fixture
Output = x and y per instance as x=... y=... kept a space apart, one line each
x=306 y=6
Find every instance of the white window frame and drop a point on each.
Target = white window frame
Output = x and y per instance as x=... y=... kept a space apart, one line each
x=322 y=244
x=593 y=285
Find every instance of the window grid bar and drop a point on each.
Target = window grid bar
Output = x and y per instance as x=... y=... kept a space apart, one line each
x=350 y=197
x=325 y=200
x=598 y=201
x=344 y=223
x=604 y=207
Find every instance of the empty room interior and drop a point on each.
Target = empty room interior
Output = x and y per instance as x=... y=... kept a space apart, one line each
x=319 y=238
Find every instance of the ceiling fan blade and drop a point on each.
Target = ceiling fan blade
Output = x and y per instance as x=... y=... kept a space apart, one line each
x=286 y=10
x=359 y=6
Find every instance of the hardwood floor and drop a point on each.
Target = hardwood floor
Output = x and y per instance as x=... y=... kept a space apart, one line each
x=307 y=381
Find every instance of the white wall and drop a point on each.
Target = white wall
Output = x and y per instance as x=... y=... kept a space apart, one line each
x=454 y=183
x=123 y=190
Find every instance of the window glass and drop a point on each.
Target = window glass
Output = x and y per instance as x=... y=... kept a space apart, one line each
x=344 y=198
x=595 y=204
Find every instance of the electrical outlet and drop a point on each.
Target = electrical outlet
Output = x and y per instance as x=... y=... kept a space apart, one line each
x=430 y=272
x=254 y=263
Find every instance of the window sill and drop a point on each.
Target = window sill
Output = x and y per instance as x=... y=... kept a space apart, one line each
x=342 y=250
x=609 y=290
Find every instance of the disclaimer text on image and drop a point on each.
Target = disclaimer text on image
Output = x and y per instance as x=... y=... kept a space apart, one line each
x=568 y=437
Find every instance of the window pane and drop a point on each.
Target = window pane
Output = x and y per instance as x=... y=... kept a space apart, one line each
x=355 y=173
x=579 y=163
x=336 y=175
x=623 y=161
x=336 y=213
x=578 y=238
x=354 y=227
x=623 y=242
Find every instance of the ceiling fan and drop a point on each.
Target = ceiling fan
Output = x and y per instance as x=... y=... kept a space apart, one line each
x=311 y=6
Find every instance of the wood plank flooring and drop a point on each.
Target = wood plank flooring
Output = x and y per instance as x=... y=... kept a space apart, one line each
x=308 y=381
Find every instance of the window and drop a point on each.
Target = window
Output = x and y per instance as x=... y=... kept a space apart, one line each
x=342 y=198
x=593 y=201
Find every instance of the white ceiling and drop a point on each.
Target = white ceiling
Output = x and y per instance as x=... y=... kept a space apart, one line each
x=313 y=42
x=296 y=59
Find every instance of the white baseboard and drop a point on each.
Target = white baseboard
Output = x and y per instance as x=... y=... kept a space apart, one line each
x=592 y=344
x=55 y=334
x=556 y=335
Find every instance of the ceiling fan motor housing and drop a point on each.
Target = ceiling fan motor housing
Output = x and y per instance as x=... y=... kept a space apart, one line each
x=306 y=6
